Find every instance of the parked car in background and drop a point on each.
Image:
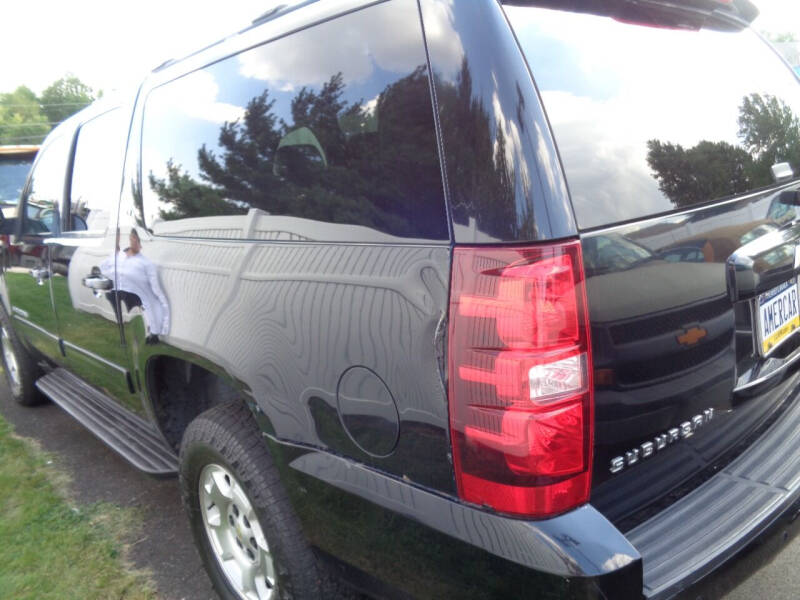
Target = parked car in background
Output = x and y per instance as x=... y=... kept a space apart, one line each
x=15 y=164
x=436 y=299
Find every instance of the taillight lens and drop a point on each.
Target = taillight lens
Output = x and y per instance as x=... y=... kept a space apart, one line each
x=520 y=389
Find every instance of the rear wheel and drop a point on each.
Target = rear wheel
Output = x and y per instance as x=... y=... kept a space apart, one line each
x=20 y=369
x=247 y=534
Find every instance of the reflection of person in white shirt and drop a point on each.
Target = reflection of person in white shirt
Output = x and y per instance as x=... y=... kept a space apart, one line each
x=136 y=274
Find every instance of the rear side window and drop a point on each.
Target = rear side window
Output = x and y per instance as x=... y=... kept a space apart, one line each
x=649 y=120
x=97 y=171
x=326 y=134
x=47 y=187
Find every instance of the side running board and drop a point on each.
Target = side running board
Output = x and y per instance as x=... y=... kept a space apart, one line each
x=131 y=436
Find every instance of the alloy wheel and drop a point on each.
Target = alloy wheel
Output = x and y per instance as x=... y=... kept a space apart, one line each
x=235 y=535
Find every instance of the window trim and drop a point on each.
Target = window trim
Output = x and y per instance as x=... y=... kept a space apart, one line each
x=134 y=181
x=66 y=201
x=22 y=213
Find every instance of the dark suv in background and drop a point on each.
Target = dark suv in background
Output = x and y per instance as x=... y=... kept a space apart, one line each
x=439 y=299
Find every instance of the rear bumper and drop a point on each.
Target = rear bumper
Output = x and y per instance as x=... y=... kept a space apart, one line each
x=417 y=543
x=403 y=541
x=736 y=507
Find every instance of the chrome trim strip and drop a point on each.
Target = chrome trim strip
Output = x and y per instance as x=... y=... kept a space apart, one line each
x=788 y=362
x=648 y=220
x=34 y=326
x=96 y=357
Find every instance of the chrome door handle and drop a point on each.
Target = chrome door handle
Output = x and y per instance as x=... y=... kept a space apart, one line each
x=98 y=282
x=40 y=274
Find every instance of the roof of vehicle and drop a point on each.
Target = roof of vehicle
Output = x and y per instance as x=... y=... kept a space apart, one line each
x=678 y=14
x=286 y=17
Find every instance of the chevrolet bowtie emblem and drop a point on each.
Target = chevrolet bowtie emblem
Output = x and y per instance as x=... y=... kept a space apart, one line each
x=691 y=336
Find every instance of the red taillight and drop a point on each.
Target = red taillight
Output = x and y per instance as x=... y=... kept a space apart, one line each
x=520 y=388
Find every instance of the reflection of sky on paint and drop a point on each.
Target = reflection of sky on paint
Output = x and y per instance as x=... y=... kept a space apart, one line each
x=368 y=60
x=609 y=88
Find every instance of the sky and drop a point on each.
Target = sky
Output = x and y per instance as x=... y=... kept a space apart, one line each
x=111 y=46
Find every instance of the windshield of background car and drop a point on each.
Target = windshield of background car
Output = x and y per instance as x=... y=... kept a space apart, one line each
x=13 y=172
x=649 y=120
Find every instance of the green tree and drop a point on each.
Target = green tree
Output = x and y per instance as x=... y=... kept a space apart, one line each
x=21 y=118
x=65 y=97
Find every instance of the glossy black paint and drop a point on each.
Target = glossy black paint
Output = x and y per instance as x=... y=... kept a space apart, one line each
x=426 y=545
x=333 y=329
x=244 y=305
x=643 y=297
x=504 y=178
x=27 y=261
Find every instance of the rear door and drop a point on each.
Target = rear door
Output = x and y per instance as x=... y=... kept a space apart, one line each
x=672 y=127
x=83 y=259
x=28 y=267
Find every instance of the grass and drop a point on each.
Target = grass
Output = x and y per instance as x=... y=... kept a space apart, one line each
x=90 y=331
x=50 y=549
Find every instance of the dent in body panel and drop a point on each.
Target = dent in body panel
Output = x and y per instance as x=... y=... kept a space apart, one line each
x=287 y=320
x=283 y=312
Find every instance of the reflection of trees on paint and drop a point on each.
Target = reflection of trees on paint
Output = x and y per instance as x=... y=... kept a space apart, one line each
x=703 y=172
x=769 y=132
x=373 y=164
x=188 y=198
x=481 y=179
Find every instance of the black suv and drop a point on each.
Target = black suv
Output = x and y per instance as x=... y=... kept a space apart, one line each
x=441 y=299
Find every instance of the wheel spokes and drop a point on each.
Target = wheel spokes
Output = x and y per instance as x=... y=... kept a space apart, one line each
x=236 y=536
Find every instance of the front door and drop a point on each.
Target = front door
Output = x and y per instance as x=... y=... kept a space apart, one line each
x=27 y=262
x=83 y=261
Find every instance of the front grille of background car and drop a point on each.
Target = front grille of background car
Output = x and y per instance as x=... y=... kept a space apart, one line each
x=655 y=325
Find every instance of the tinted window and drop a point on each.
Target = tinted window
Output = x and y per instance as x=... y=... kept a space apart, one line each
x=651 y=119
x=97 y=171
x=302 y=138
x=47 y=187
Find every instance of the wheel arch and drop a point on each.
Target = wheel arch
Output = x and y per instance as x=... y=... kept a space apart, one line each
x=179 y=387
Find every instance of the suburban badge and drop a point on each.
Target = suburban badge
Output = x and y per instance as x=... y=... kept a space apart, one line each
x=647 y=449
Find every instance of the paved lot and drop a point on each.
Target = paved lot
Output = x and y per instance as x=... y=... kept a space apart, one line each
x=767 y=572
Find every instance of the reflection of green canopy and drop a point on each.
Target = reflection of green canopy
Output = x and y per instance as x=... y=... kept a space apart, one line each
x=300 y=137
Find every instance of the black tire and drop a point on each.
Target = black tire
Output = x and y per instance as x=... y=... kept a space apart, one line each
x=22 y=386
x=227 y=435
